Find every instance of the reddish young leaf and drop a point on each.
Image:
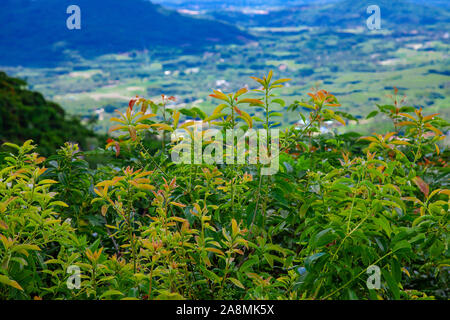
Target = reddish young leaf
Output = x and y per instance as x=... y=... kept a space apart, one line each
x=423 y=186
x=131 y=103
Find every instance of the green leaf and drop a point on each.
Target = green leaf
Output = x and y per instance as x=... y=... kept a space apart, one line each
x=25 y=247
x=269 y=259
x=281 y=81
x=58 y=203
x=275 y=114
x=210 y=275
x=303 y=209
x=188 y=112
x=303 y=104
x=324 y=237
x=249 y=263
x=372 y=114
x=214 y=116
x=12 y=145
x=401 y=245
x=279 y=101
x=407 y=109
x=199 y=112
x=10 y=282
x=167 y=295
x=311 y=260
x=110 y=293
x=220 y=108
x=392 y=284
x=237 y=283
x=386 y=108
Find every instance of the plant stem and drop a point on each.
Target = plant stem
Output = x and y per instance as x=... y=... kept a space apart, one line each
x=232 y=165
x=356 y=277
x=258 y=195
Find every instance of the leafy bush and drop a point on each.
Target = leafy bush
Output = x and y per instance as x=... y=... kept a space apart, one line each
x=142 y=227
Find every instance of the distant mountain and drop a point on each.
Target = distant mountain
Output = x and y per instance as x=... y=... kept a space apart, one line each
x=219 y=4
x=351 y=13
x=27 y=115
x=34 y=32
x=438 y=3
x=347 y=13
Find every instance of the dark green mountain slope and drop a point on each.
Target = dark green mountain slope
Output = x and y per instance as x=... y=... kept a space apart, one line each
x=35 y=32
x=27 y=115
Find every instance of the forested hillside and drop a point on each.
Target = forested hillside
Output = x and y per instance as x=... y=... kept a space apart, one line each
x=27 y=115
x=35 y=32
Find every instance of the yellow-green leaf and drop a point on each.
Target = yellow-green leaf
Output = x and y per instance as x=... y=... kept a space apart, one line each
x=10 y=282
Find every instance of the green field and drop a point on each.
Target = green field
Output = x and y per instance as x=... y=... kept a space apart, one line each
x=357 y=66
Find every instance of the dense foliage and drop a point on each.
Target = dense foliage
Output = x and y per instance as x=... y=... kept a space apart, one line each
x=27 y=115
x=140 y=226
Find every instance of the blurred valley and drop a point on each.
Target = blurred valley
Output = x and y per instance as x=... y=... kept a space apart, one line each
x=186 y=48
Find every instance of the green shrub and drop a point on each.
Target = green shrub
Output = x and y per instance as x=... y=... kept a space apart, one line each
x=141 y=227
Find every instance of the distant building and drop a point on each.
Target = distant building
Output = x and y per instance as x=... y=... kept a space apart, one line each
x=100 y=113
x=222 y=83
x=282 y=67
x=192 y=70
